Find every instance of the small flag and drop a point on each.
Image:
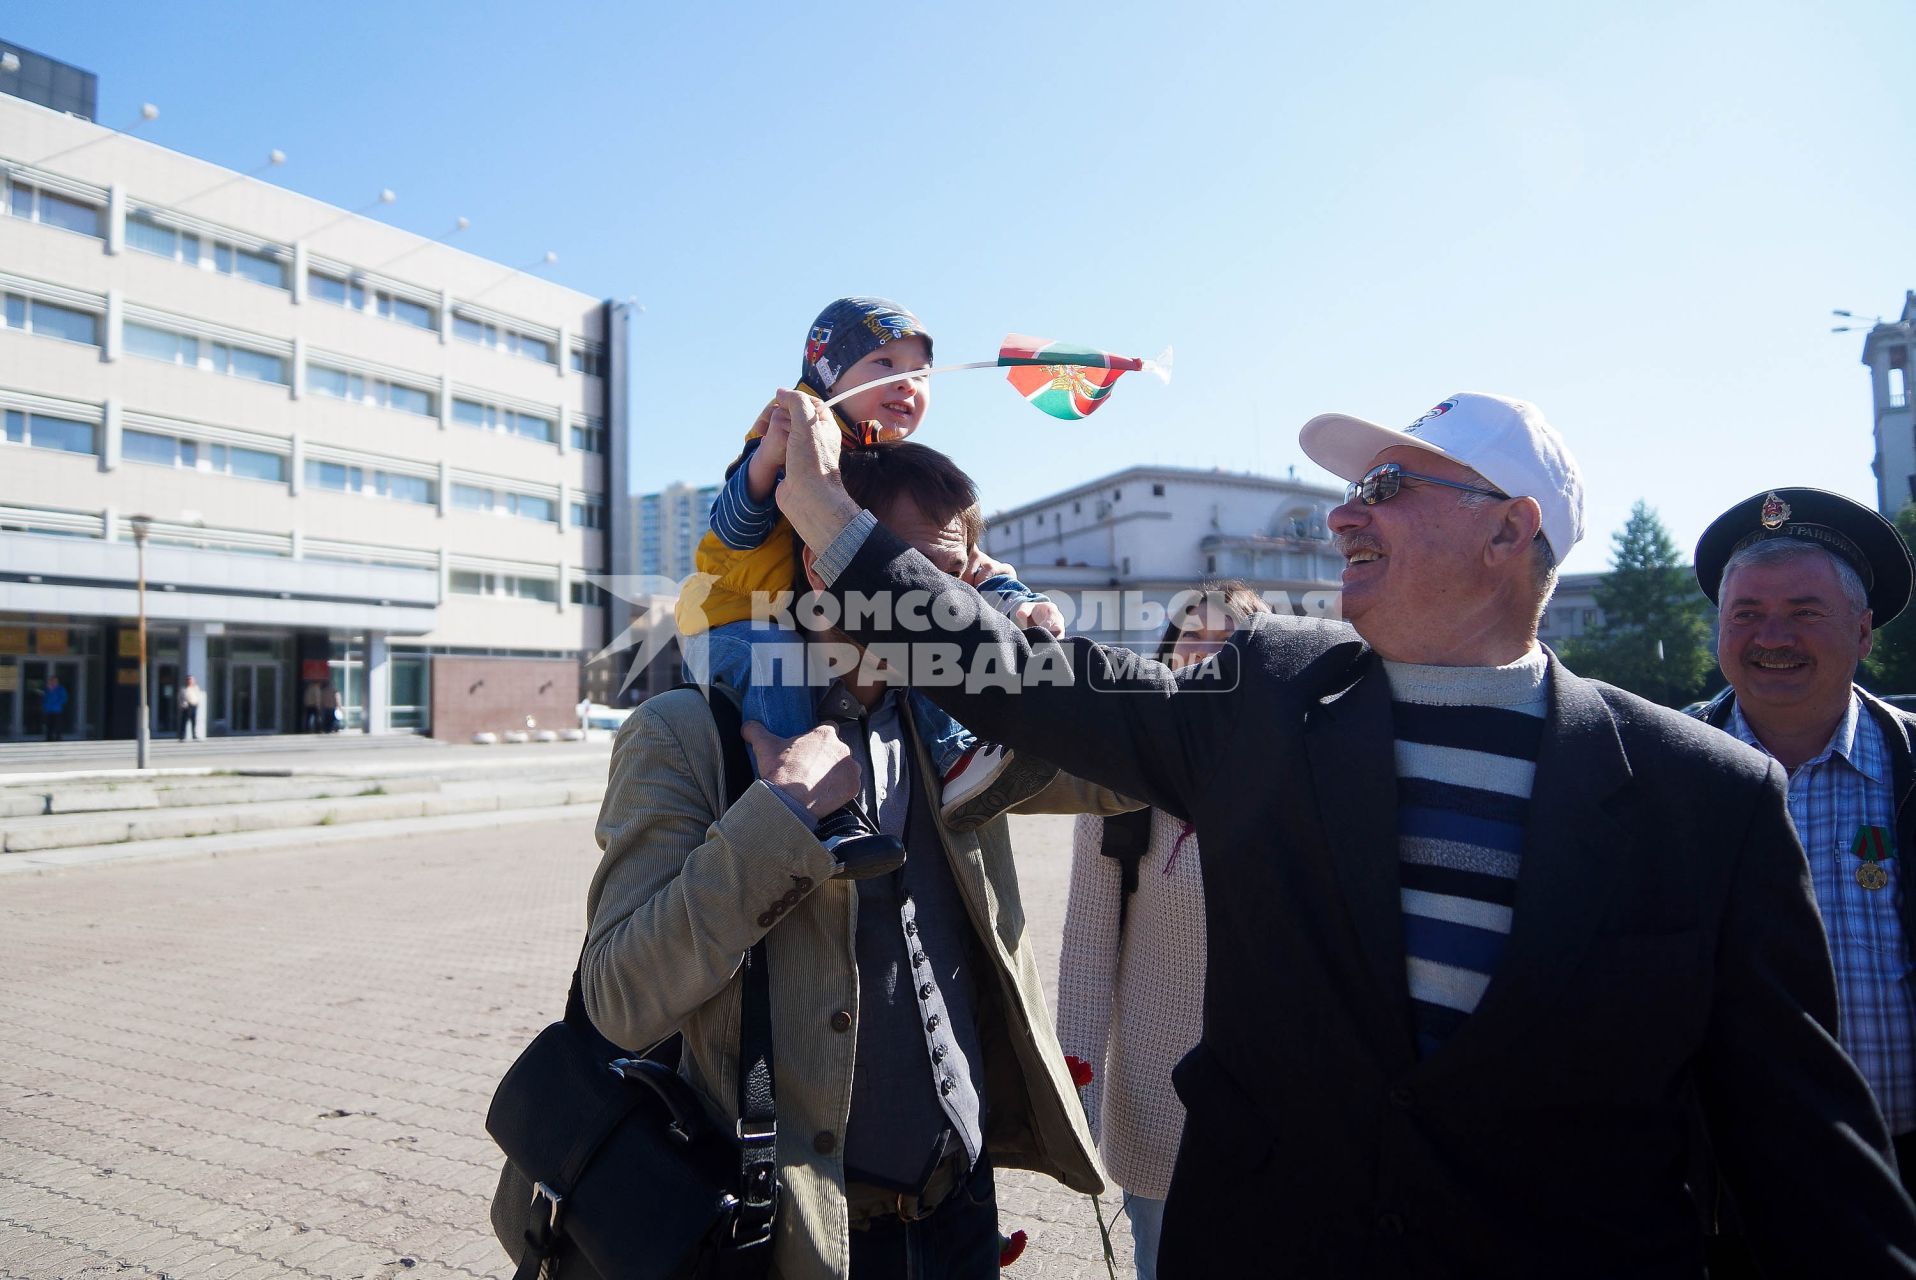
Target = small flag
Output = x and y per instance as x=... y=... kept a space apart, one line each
x=1067 y=381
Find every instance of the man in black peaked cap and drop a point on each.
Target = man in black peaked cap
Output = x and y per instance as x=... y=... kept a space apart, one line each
x=1802 y=578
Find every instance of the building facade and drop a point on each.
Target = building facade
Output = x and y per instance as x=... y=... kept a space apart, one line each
x=355 y=452
x=668 y=525
x=1120 y=547
x=1886 y=352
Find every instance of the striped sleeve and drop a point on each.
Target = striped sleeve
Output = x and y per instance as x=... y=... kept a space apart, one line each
x=740 y=521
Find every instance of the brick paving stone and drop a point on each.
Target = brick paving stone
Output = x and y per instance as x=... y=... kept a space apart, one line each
x=277 y=1064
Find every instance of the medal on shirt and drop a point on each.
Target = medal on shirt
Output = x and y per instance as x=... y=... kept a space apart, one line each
x=1874 y=846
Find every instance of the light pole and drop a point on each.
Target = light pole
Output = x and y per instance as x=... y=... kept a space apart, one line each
x=141 y=524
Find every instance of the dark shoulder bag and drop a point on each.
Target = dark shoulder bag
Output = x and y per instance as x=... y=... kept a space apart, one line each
x=613 y=1171
x=1127 y=837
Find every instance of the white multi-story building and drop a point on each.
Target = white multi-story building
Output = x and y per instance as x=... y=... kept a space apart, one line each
x=668 y=525
x=366 y=459
x=1145 y=534
x=1886 y=351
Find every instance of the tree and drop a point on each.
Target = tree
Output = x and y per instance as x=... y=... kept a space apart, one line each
x=1655 y=636
x=1891 y=665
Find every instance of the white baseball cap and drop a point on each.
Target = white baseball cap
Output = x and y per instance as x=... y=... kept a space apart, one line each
x=1505 y=441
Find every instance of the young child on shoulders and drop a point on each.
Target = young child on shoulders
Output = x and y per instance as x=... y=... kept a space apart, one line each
x=751 y=551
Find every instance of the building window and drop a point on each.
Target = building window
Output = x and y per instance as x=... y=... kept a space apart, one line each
x=177 y=451
x=588 y=512
x=50 y=320
x=1157 y=491
x=502 y=338
x=465 y=582
x=1127 y=566
x=343 y=293
x=589 y=362
x=148 y=236
x=345 y=385
x=589 y=436
x=488 y=417
x=371 y=482
x=1117 y=495
x=526 y=506
x=1077 y=508
x=218 y=357
x=587 y=593
x=1898 y=378
x=1210 y=564
x=45 y=207
x=43 y=431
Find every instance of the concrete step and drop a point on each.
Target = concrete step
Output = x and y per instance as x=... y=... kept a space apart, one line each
x=95 y=795
x=62 y=831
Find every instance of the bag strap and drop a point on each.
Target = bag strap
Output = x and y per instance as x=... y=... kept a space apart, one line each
x=1126 y=838
x=757 y=1128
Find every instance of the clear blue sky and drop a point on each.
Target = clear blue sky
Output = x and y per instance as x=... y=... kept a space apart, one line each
x=1637 y=215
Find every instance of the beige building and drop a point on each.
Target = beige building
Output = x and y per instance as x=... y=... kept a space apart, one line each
x=359 y=450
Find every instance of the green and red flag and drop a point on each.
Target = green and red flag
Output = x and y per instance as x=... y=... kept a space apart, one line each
x=1064 y=380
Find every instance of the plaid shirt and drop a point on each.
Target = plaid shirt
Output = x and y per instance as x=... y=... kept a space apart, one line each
x=1845 y=788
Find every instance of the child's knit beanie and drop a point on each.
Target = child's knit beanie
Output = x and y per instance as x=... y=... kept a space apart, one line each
x=849 y=330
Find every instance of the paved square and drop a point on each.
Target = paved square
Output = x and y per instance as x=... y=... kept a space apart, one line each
x=278 y=1063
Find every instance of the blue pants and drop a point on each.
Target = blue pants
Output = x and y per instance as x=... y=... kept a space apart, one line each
x=959 y=1241
x=1147 y=1225
x=768 y=664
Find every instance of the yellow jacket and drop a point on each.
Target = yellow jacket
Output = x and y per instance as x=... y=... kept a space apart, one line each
x=727 y=579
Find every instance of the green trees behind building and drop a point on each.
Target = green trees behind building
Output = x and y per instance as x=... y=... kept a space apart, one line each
x=1654 y=639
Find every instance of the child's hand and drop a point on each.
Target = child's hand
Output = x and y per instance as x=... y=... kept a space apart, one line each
x=983 y=566
x=1039 y=613
x=775 y=426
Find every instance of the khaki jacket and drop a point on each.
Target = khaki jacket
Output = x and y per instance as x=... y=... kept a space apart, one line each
x=677 y=901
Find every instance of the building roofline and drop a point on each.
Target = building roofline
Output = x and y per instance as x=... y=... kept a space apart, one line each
x=320 y=207
x=1153 y=471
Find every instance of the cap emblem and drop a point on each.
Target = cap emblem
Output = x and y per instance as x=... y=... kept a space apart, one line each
x=1775 y=511
x=1437 y=412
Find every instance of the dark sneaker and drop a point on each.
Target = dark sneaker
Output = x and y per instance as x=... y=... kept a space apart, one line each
x=988 y=780
x=857 y=846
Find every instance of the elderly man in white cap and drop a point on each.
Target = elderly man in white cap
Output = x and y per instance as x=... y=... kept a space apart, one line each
x=1481 y=932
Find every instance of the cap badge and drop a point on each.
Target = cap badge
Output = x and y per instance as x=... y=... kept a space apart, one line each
x=1437 y=412
x=1775 y=511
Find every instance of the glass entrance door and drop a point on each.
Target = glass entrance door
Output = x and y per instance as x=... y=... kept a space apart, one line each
x=70 y=723
x=252 y=697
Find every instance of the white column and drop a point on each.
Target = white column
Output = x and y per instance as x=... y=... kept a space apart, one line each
x=445 y=316
x=297 y=541
x=115 y=312
x=565 y=492
x=296 y=463
x=379 y=674
x=109 y=519
x=110 y=436
x=196 y=666
x=565 y=350
x=299 y=366
x=445 y=400
x=445 y=573
x=115 y=218
x=299 y=272
x=565 y=586
x=563 y=432
x=445 y=496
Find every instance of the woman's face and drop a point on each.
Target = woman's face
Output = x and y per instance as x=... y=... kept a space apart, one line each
x=1203 y=634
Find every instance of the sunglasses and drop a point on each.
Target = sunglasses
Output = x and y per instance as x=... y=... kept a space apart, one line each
x=1382 y=483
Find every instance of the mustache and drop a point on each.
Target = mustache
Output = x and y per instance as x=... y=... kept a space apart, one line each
x=1756 y=653
x=1349 y=543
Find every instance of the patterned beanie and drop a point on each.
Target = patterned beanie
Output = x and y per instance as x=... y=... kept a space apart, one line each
x=849 y=330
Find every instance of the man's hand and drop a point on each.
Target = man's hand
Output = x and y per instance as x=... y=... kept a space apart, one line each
x=813 y=497
x=983 y=566
x=815 y=769
x=762 y=468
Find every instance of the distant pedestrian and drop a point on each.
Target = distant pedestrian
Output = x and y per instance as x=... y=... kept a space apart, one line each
x=53 y=707
x=310 y=700
x=330 y=714
x=1131 y=973
x=192 y=698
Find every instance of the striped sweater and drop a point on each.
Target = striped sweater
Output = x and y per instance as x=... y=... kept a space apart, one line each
x=1466 y=742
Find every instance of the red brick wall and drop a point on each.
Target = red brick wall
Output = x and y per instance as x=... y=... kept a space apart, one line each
x=497 y=694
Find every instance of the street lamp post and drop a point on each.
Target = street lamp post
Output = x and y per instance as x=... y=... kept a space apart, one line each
x=141 y=524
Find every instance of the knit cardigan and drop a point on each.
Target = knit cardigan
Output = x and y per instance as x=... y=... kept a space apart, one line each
x=1132 y=1005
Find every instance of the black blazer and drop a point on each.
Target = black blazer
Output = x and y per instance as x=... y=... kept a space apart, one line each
x=1665 y=949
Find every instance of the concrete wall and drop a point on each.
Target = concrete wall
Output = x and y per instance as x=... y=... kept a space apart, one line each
x=470 y=695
